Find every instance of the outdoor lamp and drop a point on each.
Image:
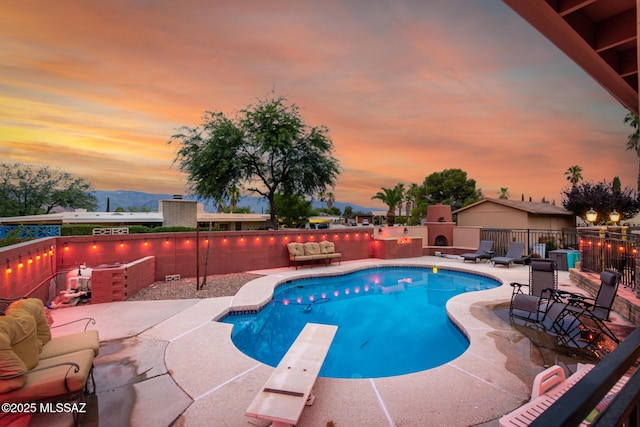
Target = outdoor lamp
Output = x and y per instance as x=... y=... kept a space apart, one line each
x=614 y=217
x=592 y=216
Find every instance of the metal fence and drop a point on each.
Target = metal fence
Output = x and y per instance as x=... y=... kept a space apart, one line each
x=537 y=242
x=604 y=250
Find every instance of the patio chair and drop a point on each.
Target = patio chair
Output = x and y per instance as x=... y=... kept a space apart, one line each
x=574 y=320
x=484 y=251
x=526 y=306
x=514 y=253
x=591 y=313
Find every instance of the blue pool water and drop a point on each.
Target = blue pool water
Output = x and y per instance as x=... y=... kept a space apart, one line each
x=391 y=320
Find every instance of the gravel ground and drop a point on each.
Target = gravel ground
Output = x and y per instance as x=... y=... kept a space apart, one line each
x=219 y=285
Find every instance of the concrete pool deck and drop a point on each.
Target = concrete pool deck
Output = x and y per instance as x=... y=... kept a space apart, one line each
x=164 y=362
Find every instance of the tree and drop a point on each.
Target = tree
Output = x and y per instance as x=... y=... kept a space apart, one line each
x=603 y=198
x=450 y=187
x=294 y=209
x=266 y=149
x=410 y=201
x=348 y=212
x=234 y=197
x=391 y=197
x=330 y=198
x=633 y=140
x=31 y=190
x=573 y=174
x=504 y=193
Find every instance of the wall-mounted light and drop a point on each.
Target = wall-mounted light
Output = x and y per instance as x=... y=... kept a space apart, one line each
x=8 y=269
x=20 y=264
x=95 y=246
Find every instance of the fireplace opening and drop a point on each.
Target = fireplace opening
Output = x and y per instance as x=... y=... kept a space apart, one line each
x=441 y=241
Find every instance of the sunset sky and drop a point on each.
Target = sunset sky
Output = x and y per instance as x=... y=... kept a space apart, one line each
x=406 y=88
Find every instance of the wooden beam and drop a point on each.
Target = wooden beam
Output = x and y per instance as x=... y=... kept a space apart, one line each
x=616 y=31
x=566 y=7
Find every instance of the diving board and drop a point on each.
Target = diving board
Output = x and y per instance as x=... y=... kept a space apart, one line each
x=285 y=393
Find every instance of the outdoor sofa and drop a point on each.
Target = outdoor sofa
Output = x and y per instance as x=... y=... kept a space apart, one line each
x=309 y=252
x=36 y=367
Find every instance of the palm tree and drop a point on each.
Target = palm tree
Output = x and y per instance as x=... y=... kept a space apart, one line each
x=410 y=197
x=391 y=197
x=322 y=196
x=574 y=174
x=401 y=186
x=330 y=197
x=504 y=193
x=233 y=199
x=633 y=140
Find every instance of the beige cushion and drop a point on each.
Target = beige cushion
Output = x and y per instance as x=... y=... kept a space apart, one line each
x=24 y=340
x=327 y=247
x=51 y=382
x=64 y=344
x=312 y=248
x=295 y=249
x=35 y=308
x=10 y=363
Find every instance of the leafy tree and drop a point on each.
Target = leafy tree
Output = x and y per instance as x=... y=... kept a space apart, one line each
x=391 y=197
x=503 y=193
x=266 y=149
x=294 y=209
x=348 y=212
x=31 y=190
x=603 y=198
x=573 y=174
x=633 y=140
x=450 y=187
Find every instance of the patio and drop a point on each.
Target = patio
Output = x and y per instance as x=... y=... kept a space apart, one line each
x=165 y=362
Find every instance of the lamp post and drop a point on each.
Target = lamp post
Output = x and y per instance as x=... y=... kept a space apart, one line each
x=614 y=217
x=592 y=216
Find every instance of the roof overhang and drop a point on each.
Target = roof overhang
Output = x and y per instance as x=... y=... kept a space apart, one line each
x=598 y=35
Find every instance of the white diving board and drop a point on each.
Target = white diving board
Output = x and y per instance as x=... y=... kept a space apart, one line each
x=284 y=395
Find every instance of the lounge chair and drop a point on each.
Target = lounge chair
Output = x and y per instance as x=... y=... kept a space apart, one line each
x=514 y=253
x=549 y=386
x=590 y=313
x=483 y=252
x=542 y=275
x=574 y=320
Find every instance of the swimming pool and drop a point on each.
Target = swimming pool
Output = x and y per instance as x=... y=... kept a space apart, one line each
x=391 y=320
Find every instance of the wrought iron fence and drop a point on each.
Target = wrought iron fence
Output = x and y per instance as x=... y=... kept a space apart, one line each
x=602 y=250
x=537 y=242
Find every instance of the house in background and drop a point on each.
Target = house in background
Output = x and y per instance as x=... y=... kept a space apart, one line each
x=515 y=214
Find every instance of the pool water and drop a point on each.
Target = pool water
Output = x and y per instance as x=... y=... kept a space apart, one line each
x=391 y=320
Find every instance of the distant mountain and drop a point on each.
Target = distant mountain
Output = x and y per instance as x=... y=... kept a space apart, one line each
x=136 y=200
